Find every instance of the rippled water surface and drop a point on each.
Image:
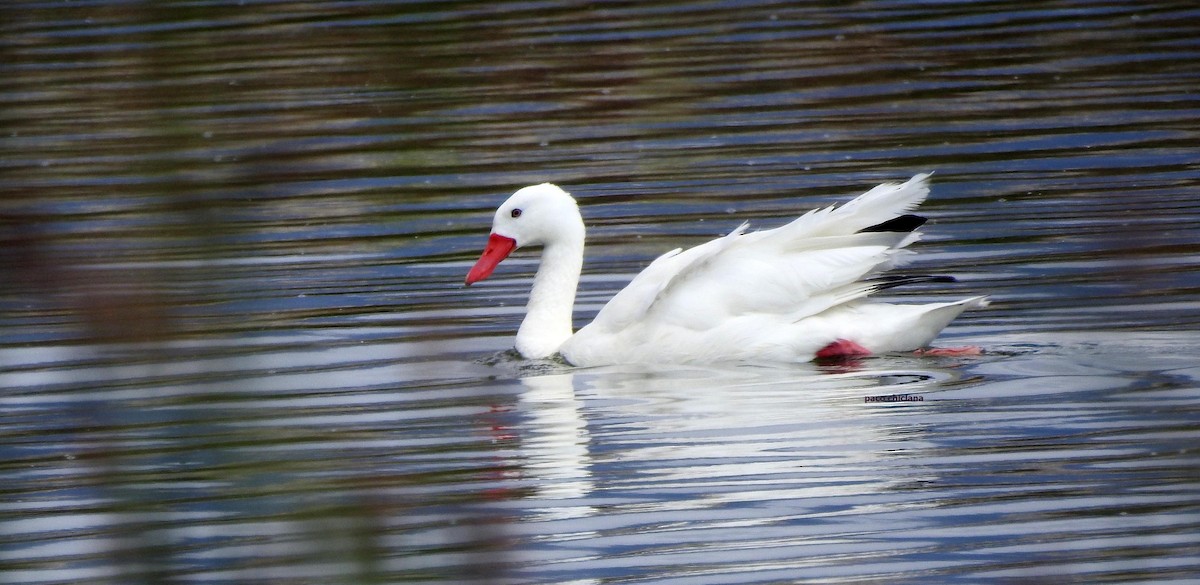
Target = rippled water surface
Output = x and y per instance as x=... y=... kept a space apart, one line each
x=235 y=346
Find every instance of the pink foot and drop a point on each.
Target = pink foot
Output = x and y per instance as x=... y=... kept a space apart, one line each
x=966 y=350
x=842 y=348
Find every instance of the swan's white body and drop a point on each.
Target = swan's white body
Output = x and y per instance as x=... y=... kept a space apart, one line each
x=786 y=294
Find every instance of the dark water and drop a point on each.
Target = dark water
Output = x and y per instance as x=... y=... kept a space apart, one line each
x=236 y=349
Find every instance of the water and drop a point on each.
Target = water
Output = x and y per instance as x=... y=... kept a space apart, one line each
x=236 y=348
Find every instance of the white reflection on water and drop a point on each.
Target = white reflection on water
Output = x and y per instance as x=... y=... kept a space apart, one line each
x=556 y=444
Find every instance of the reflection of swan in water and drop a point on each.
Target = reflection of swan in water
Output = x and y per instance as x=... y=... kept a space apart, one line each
x=555 y=443
x=738 y=427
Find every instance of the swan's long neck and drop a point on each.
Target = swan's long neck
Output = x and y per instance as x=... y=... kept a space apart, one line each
x=547 y=321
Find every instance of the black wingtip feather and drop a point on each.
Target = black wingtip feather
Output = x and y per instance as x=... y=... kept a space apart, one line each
x=901 y=224
x=886 y=282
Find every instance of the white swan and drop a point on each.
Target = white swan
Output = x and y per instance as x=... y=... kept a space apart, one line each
x=793 y=293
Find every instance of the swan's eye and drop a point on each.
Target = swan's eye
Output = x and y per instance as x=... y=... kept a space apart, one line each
x=516 y=213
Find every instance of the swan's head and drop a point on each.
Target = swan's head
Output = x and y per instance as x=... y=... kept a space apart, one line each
x=537 y=215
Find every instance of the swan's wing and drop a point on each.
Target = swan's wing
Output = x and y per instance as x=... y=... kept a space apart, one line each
x=633 y=302
x=759 y=278
x=875 y=207
x=800 y=269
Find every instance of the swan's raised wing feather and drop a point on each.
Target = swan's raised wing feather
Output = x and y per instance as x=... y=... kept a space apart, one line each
x=807 y=266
